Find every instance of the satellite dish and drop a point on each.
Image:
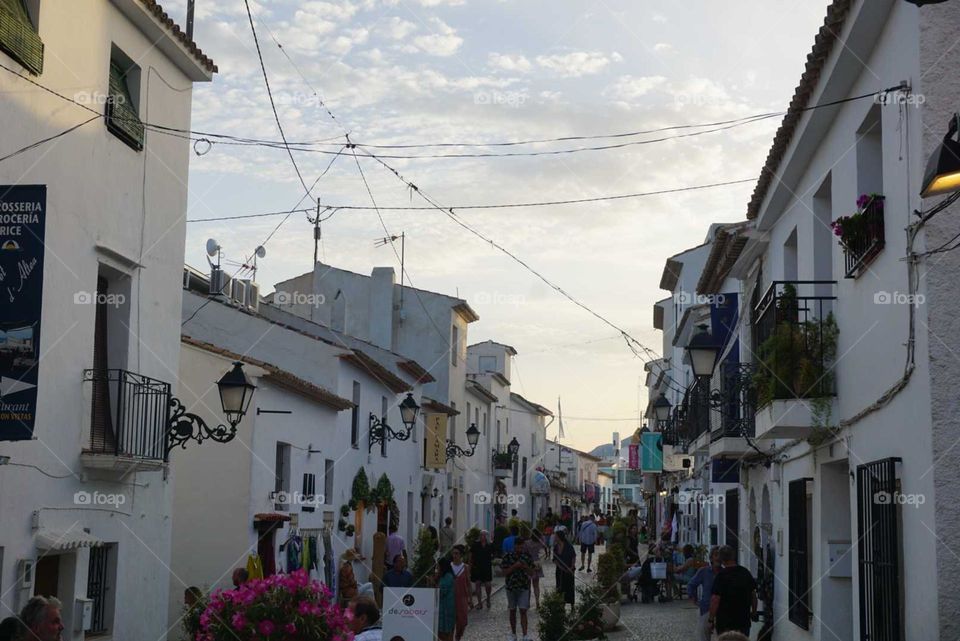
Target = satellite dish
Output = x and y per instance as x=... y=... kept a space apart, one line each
x=212 y=247
x=261 y=251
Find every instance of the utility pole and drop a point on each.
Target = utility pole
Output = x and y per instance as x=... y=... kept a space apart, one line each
x=316 y=234
x=190 y=4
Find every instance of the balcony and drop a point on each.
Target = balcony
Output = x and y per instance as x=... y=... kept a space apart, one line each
x=862 y=236
x=734 y=405
x=128 y=421
x=794 y=346
x=695 y=410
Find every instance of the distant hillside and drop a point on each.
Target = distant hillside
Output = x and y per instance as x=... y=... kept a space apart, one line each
x=604 y=451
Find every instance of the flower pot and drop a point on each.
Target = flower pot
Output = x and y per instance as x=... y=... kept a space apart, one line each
x=502 y=472
x=611 y=616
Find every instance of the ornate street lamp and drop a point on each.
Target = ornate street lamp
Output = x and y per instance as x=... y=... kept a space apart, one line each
x=513 y=447
x=661 y=407
x=380 y=431
x=236 y=392
x=942 y=175
x=702 y=351
x=473 y=436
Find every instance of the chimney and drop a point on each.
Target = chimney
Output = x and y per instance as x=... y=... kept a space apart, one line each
x=190 y=18
x=382 y=281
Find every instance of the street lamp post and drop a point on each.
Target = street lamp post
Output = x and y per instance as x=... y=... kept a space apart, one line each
x=473 y=436
x=380 y=431
x=236 y=392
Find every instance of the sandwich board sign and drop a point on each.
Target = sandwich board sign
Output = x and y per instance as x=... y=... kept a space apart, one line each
x=409 y=614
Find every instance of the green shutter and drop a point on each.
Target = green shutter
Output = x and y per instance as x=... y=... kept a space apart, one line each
x=122 y=118
x=18 y=38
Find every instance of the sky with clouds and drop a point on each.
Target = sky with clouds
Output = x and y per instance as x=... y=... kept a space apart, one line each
x=481 y=71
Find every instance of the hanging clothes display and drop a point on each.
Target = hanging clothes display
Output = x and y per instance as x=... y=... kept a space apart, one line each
x=294 y=552
x=254 y=567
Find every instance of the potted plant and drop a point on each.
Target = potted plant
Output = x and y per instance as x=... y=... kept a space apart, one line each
x=862 y=232
x=552 y=613
x=424 y=558
x=586 y=622
x=502 y=464
x=610 y=568
x=283 y=606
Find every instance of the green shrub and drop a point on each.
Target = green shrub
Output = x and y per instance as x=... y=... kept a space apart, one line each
x=553 y=617
x=424 y=559
x=586 y=622
x=610 y=567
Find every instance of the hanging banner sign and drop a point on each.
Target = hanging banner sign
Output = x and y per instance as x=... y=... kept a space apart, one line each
x=651 y=452
x=409 y=614
x=435 y=446
x=634 y=456
x=22 y=221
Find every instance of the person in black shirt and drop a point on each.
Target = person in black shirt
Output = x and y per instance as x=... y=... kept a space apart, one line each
x=734 y=601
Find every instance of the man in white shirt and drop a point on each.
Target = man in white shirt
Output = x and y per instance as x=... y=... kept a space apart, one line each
x=588 y=538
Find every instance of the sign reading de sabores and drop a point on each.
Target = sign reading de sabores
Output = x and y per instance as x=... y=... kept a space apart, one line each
x=22 y=220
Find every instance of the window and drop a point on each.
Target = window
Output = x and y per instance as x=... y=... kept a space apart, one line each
x=516 y=470
x=328 y=482
x=309 y=491
x=452 y=424
x=523 y=477
x=122 y=109
x=454 y=345
x=488 y=364
x=798 y=595
x=101 y=574
x=19 y=37
x=281 y=472
x=383 y=418
x=355 y=416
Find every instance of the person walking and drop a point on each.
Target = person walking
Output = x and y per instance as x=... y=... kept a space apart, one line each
x=588 y=538
x=481 y=567
x=461 y=584
x=517 y=566
x=631 y=553
x=395 y=546
x=398 y=576
x=700 y=591
x=510 y=541
x=11 y=629
x=447 y=605
x=733 y=603
x=533 y=547
x=565 y=559
x=448 y=536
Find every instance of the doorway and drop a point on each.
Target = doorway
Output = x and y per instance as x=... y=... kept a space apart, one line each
x=47 y=576
x=732 y=521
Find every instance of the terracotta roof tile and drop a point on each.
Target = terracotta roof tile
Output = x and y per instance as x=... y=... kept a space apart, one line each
x=154 y=7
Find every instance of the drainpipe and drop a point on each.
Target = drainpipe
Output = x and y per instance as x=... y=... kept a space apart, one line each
x=190 y=19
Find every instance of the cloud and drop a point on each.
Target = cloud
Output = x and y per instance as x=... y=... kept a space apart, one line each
x=630 y=88
x=663 y=47
x=509 y=62
x=397 y=28
x=577 y=63
x=444 y=41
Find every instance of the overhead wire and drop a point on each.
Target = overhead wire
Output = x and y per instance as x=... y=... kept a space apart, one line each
x=43 y=141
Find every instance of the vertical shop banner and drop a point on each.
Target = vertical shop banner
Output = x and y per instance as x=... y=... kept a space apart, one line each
x=651 y=452
x=634 y=456
x=22 y=220
x=435 y=441
x=409 y=614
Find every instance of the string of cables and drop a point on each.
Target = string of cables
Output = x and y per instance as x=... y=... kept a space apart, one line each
x=210 y=138
x=491 y=206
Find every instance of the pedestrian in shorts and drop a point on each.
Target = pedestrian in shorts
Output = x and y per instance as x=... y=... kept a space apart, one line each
x=517 y=566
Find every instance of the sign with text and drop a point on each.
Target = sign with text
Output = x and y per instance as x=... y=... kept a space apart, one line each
x=651 y=452
x=435 y=444
x=634 y=456
x=22 y=221
x=409 y=614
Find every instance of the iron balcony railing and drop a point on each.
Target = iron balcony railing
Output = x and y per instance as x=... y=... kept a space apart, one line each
x=129 y=414
x=696 y=411
x=734 y=401
x=862 y=240
x=794 y=340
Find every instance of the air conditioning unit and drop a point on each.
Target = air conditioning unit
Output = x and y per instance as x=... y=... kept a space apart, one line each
x=253 y=295
x=25 y=569
x=238 y=293
x=219 y=283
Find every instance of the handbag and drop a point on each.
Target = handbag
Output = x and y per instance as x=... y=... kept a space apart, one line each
x=658 y=570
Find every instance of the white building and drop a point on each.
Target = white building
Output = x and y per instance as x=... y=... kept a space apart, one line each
x=846 y=484
x=429 y=327
x=291 y=467
x=86 y=502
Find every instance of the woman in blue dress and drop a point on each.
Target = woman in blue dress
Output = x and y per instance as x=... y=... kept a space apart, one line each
x=447 y=619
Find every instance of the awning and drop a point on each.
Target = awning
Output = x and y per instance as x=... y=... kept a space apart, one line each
x=61 y=540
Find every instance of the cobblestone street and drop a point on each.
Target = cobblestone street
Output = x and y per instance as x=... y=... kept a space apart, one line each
x=675 y=621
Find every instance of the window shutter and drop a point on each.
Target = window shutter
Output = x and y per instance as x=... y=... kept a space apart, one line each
x=122 y=118
x=798 y=599
x=18 y=37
